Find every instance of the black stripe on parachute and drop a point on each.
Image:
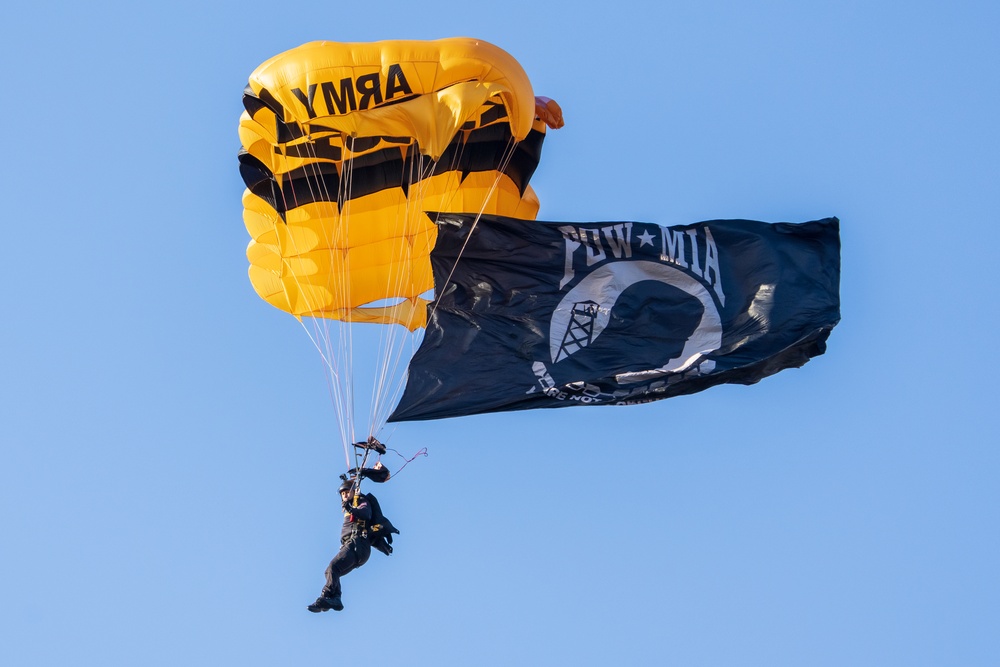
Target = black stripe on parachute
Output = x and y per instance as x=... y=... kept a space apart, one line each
x=477 y=150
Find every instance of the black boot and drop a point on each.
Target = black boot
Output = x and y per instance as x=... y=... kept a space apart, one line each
x=323 y=603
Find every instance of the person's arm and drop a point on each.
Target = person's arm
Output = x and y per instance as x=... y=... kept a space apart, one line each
x=363 y=511
x=377 y=474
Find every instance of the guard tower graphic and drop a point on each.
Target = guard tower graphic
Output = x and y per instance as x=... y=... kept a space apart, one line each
x=580 y=331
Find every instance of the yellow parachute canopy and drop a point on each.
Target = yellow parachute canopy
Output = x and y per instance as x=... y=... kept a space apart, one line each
x=345 y=147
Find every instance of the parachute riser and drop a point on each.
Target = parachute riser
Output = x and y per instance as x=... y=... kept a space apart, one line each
x=367 y=446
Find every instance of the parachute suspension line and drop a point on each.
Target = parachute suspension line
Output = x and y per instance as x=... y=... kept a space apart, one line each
x=505 y=161
x=337 y=355
x=320 y=334
x=389 y=336
x=345 y=330
x=332 y=375
x=340 y=370
x=338 y=377
x=333 y=352
x=420 y=178
x=392 y=339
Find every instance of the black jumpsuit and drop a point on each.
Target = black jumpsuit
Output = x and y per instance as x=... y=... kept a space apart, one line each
x=354 y=546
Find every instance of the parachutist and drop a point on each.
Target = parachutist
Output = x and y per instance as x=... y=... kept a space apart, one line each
x=364 y=527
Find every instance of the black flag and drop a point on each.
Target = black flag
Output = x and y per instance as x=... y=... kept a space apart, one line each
x=549 y=314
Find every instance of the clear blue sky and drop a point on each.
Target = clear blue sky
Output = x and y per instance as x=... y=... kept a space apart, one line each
x=168 y=459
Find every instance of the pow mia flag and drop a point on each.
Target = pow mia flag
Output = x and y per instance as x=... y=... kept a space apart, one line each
x=548 y=314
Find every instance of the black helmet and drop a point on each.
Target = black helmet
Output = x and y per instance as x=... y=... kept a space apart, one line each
x=347 y=485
